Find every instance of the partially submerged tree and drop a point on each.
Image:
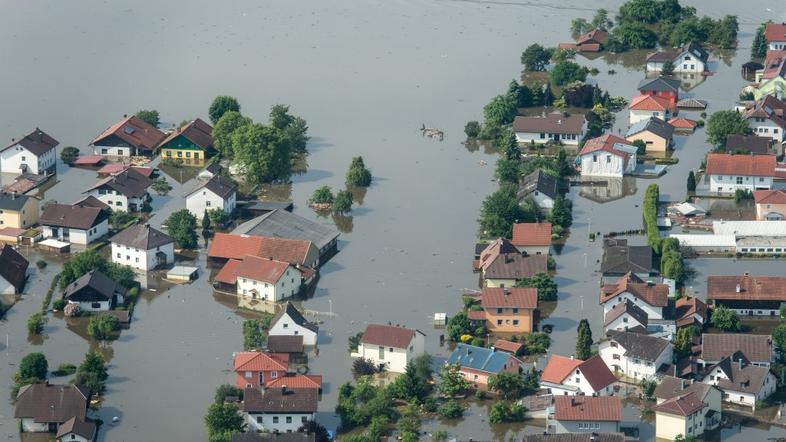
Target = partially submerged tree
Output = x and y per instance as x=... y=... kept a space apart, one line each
x=221 y=105
x=181 y=226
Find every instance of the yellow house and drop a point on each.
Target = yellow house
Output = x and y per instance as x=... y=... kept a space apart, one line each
x=190 y=144
x=654 y=132
x=770 y=204
x=680 y=415
x=509 y=310
x=18 y=211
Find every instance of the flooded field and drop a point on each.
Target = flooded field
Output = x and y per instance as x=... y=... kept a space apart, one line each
x=365 y=75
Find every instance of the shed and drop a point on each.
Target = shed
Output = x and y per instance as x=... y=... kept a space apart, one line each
x=691 y=103
x=54 y=245
x=182 y=273
x=688 y=209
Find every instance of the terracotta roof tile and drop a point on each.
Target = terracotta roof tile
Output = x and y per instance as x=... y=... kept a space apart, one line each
x=51 y=403
x=751 y=288
x=227 y=245
x=607 y=143
x=261 y=269
x=649 y=103
x=685 y=308
x=588 y=408
x=388 y=336
x=531 y=234
x=63 y=215
x=775 y=32
x=495 y=297
x=197 y=132
x=558 y=368
x=516 y=266
x=493 y=250
x=508 y=346
x=228 y=273
x=745 y=165
x=653 y=294
x=683 y=123
x=774 y=196
x=682 y=405
x=259 y=361
x=296 y=381
x=134 y=131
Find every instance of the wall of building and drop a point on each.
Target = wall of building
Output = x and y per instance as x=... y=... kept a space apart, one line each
x=287 y=327
x=201 y=200
x=6 y=288
x=730 y=183
x=287 y=286
x=188 y=157
x=563 y=426
x=499 y=282
x=766 y=128
x=654 y=143
x=602 y=163
x=668 y=426
x=14 y=158
x=777 y=211
x=688 y=63
x=395 y=359
x=77 y=236
x=141 y=259
x=277 y=422
x=508 y=321
x=651 y=311
x=534 y=250
x=29 y=425
x=542 y=138
x=622 y=323
x=89 y=307
x=617 y=360
x=641 y=115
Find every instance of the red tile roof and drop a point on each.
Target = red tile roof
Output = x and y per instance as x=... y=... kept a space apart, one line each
x=685 y=308
x=605 y=143
x=88 y=160
x=558 y=368
x=388 y=335
x=476 y=315
x=774 y=64
x=495 y=297
x=774 y=196
x=228 y=273
x=134 y=131
x=531 y=234
x=775 y=32
x=588 y=408
x=594 y=36
x=508 y=346
x=258 y=361
x=683 y=123
x=232 y=246
x=744 y=165
x=751 y=288
x=653 y=294
x=649 y=103
x=261 y=269
x=683 y=405
x=295 y=381
x=493 y=250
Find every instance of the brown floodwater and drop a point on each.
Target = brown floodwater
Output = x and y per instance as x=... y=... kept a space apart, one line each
x=366 y=75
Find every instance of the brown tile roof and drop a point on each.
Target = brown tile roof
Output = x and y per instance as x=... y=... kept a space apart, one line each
x=588 y=408
x=13 y=267
x=508 y=346
x=134 y=131
x=594 y=36
x=774 y=196
x=296 y=381
x=129 y=182
x=774 y=65
x=669 y=387
x=626 y=307
x=653 y=294
x=51 y=403
x=606 y=143
x=751 y=288
x=37 y=142
x=524 y=298
x=76 y=217
x=91 y=201
x=744 y=165
x=76 y=426
x=686 y=307
x=716 y=346
x=649 y=103
x=493 y=250
x=742 y=376
x=274 y=400
x=554 y=123
x=197 y=132
x=558 y=368
x=769 y=108
x=775 y=32
x=751 y=143
x=597 y=373
x=261 y=269
x=259 y=361
x=285 y=344
x=142 y=236
x=619 y=258
x=228 y=245
x=388 y=335
x=221 y=186
x=516 y=266
x=682 y=405
x=228 y=273
x=531 y=234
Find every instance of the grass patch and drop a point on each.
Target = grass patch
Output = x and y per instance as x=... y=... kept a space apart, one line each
x=48 y=297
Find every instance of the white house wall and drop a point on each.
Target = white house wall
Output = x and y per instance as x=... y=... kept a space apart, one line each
x=651 y=311
x=13 y=158
x=287 y=327
x=730 y=183
x=141 y=259
x=201 y=200
x=602 y=163
x=288 y=285
x=267 y=421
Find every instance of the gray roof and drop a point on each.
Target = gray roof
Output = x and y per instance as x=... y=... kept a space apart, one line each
x=221 y=186
x=282 y=224
x=142 y=236
x=37 y=142
x=638 y=345
x=13 y=267
x=296 y=317
x=626 y=307
x=620 y=258
x=75 y=217
x=129 y=182
x=556 y=122
x=751 y=143
x=670 y=386
x=654 y=125
x=285 y=344
x=274 y=400
x=742 y=376
x=13 y=202
x=575 y=437
x=659 y=84
x=102 y=285
x=540 y=181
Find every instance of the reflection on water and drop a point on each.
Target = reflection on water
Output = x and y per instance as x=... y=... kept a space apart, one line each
x=614 y=189
x=344 y=223
x=358 y=194
x=181 y=174
x=275 y=192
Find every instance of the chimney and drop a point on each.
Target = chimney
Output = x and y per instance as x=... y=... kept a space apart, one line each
x=571 y=357
x=284 y=389
x=737 y=289
x=739 y=363
x=125 y=115
x=682 y=384
x=13 y=195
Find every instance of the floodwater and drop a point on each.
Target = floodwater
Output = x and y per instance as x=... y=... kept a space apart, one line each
x=366 y=75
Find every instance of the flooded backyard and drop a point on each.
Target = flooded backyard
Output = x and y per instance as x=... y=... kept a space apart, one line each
x=365 y=75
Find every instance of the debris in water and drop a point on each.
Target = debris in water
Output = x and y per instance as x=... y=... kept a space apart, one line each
x=431 y=132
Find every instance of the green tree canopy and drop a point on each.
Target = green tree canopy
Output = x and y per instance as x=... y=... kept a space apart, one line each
x=759 y=46
x=358 y=174
x=561 y=212
x=181 y=226
x=224 y=128
x=92 y=373
x=566 y=72
x=322 y=195
x=263 y=152
x=343 y=202
x=535 y=57
x=508 y=385
x=547 y=288
x=725 y=319
x=723 y=123
x=33 y=366
x=88 y=260
x=221 y=105
x=150 y=117
x=451 y=381
x=501 y=110
x=501 y=210
x=691 y=185
x=69 y=154
x=584 y=340
x=223 y=418
x=293 y=129
x=103 y=327
x=458 y=325
x=161 y=186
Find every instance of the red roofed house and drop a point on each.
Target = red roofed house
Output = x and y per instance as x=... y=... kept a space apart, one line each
x=262 y=279
x=770 y=204
x=747 y=172
x=607 y=155
x=651 y=298
x=226 y=246
x=680 y=415
x=532 y=238
x=296 y=381
x=683 y=124
x=501 y=264
x=592 y=41
x=391 y=347
x=775 y=34
x=257 y=369
x=585 y=414
x=565 y=376
x=767 y=118
x=130 y=136
x=691 y=311
x=747 y=294
x=507 y=310
x=645 y=106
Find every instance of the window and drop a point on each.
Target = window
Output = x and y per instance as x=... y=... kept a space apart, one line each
x=616 y=357
x=381 y=353
x=739 y=180
x=180 y=154
x=289 y=419
x=286 y=325
x=499 y=311
x=499 y=321
x=594 y=158
x=542 y=136
x=303 y=419
x=95 y=305
x=248 y=375
x=614 y=344
x=118 y=256
x=275 y=419
x=259 y=419
x=608 y=159
x=515 y=322
x=207 y=203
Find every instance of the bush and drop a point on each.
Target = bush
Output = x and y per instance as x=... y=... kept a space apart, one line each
x=322 y=195
x=451 y=409
x=725 y=319
x=481 y=395
x=227 y=390
x=343 y=202
x=472 y=129
x=69 y=154
x=566 y=72
x=358 y=174
x=547 y=288
x=363 y=367
x=59 y=304
x=103 y=327
x=478 y=342
x=41 y=264
x=65 y=369
x=650 y=211
x=253 y=337
x=32 y=366
x=503 y=411
x=35 y=324
x=648 y=387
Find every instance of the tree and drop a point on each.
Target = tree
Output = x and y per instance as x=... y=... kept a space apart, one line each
x=150 y=117
x=681 y=438
x=218 y=218
x=181 y=226
x=723 y=123
x=92 y=373
x=643 y=11
x=566 y=72
x=501 y=110
x=363 y=367
x=691 y=181
x=451 y=409
x=293 y=129
x=683 y=343
x=358 y=174
x=531 y=381
x=263 y=152
x=253 y=338
x=69 y=154
x=224 y=128
x=161 y=186
x=630 y=36
x=648 y=387
x=641 y=147
x=559 y=55
x=561 y=212
x=472 y=129
x=601 y=20
x=88 y=260
x=35 y=324
x=535 y=57
x=759 y=46
x=779 y=336
x=318 y=430
x=725 y=319
x=223 y=418
x=221 y=105
x=672 y=266
x=520 y=93
x=343 y=202
x=410 y=386
x=33 y=366
x=501 y=210
x=584 y=340
x=205 y=222
x=508 y=385
x=103 y=327
x=668 y=68
x=322 y=195
x=119 y=218
x=458 y=325
x=507 y=171
x=227 y=390
x=547 y=288
x=579 y=26
x=451 y=381
x=503 y=411
x=536 y=343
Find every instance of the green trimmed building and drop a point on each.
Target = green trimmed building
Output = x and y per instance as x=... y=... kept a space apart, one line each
x=190 y=144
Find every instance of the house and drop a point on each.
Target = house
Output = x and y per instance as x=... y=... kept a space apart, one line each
x=126 y=191
x=650 y=297
x=670 y=387
x=514 y=348
x=117 y=168
x=13 y=271
x=607 y=155
x=91 y=201
x=680 y=415
x=189 y=144
x=216 y=193
x=35 y=153
x=742 y=382
x=509 y=310
x=775 y=34
x=279 y=410
x=290 y=322
x=775 y=86
x=283 y=224
x=43 y=408
x=728 y=173
x=635 y=355
x=576 y=437
x=747 y=295
x=654 y=132
x=296 y=381
x=770 y=204
x=619 y=259
x=644 y=107
x=501 y=264
x=76 y=430
x=758 y=349
x=662 y=87
x=478 y=364
x=750 y=144
x=212 y=169
x=625 y=316
x=74 y=224
x=592 y=41
x=95 y=291
x=767 y=118
x=585 y=414
x=565 y=376
x=254 y=369
x=532 y=238
x=298 y=252
x=556 y=127
x=682 y=125
x=265 y=279
x=689 y=58
x=130 y=136
x=541 y=187
x=690 y=311
x=143 y=247
x=391 y=347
